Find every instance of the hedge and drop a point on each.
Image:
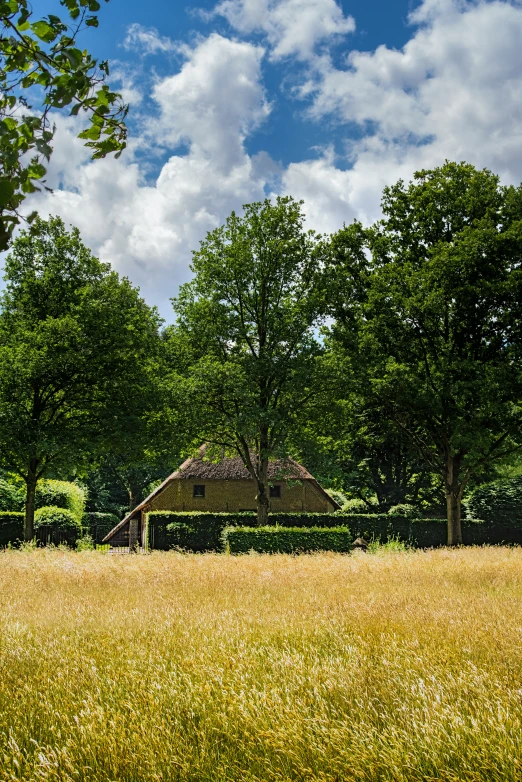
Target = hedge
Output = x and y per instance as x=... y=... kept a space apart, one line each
x=11 y=527
x=61 y=494
x=286 y=540
x=97 y=525
x=52 y=516
x=195 y=531
x=499 y=503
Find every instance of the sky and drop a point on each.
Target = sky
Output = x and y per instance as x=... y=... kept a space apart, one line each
x=233 y=101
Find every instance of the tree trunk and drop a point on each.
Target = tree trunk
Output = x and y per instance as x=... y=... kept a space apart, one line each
x=262 y=497
x=31 y=482
x=453 y=501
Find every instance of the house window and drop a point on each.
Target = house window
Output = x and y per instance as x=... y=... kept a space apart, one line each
x=275 y=491
x=199 y=490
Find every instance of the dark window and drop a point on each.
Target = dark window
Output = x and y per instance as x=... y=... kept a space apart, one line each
x=199 y=491
x=275 y=491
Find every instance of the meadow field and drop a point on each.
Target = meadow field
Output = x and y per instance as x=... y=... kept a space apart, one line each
x=391 y=666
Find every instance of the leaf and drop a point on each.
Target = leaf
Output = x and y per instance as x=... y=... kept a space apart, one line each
x=44 y=31
x=6 y=191
x=36 y=170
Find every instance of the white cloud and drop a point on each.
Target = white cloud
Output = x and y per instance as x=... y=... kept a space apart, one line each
x=215 y=101
x=454 y=91
x=147 y=40
x=148 y=230
x=292 y=27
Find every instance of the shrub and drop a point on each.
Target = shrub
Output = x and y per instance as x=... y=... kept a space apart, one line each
x=403 y=509
x=85 y=543
x=286 y=540
x=356 y=505
x=99 y=524
x=338 y=496
x=61 y=494
x=12 y=495
x=11 y=527
x=52 y=516
x=498 y=503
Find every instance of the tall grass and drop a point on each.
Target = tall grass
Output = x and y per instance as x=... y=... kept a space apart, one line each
x=405 y=666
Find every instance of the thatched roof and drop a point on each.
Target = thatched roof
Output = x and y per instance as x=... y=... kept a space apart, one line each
x=226 y=469
x=233 y=469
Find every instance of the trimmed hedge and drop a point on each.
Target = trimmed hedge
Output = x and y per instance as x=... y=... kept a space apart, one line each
x=61 y=494
x=97 y=525
x=194 y=531
x=53 y=516
x=11 y=527
x=499 y=503
x=286 y=540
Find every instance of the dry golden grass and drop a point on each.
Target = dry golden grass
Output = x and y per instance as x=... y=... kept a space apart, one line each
x=406 y=666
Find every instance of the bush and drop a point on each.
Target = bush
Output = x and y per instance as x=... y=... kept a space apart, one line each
x=338 y=496
x=52 y=516
x=61 y=494
x=286 y=540
x=99 y=524
x=498 y=503
x=356 y=506
x=12 y=495
x=85 y=543
x=11 y=528
x=410 y=511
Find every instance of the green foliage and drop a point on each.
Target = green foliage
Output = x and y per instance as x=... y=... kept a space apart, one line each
x=11 y=495
x=410 y=511
x=42 y=57
x=85 y=543
x=356 y=505
x=436 y=335
x=246 y=332
x=99 y=524
x=498 y=503
x=11 y=528
x=61 y=494
x=338 y=496
x=77 y=347
x=195 y=531
x=54 y=516
x=286 y=540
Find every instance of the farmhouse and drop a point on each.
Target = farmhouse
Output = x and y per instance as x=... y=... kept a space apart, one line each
x=205 y=485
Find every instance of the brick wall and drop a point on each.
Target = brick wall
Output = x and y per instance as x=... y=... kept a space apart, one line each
x=238 y=495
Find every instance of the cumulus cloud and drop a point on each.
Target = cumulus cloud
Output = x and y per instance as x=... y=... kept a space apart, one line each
x=292 y=27
x=454 y=91
x=148 y=229
x=147 y=40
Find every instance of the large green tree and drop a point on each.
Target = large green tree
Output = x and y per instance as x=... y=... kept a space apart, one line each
x=245 y=332
x=41 y=64
x=78 y=348
x=441 y=335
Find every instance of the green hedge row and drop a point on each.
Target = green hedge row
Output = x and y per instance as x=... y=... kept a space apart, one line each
x=286 y=540
x=203 y=531
x=52 y=525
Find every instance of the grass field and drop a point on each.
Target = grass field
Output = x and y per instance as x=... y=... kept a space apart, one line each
x=403 y=666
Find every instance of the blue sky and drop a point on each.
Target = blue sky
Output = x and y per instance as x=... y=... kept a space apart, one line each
x=234 y=100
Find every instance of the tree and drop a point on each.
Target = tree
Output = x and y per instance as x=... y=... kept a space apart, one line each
x=38 y=57
x=245 y=332
x=442 y=328
x=77 y=356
